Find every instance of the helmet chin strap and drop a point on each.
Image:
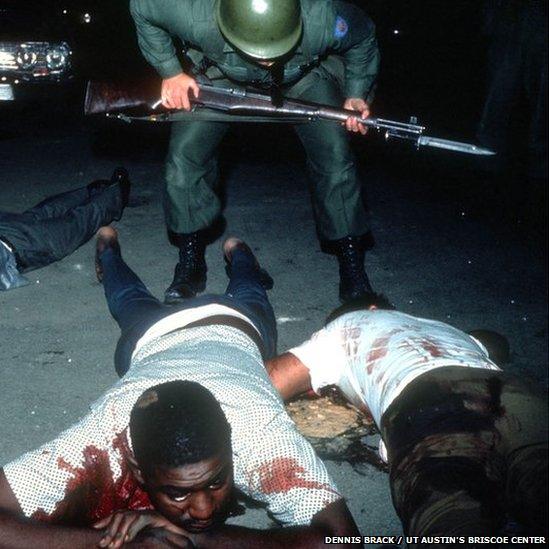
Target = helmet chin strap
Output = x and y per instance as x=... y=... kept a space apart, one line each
x=277 y=71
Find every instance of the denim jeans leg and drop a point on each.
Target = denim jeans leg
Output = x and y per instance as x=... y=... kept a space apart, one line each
x=133 y=307
x=128 y=299
x=249 y=296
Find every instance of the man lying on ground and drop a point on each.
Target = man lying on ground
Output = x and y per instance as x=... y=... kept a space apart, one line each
x=57 y=226
x=193 y=418
x=466 y=443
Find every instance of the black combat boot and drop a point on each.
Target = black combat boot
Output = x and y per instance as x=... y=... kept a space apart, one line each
x=353 y=280
x=190 y=273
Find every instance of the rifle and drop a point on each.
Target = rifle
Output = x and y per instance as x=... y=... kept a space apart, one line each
x=237 y=105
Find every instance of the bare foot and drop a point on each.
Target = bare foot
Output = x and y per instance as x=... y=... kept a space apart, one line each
x=233 y=243
x=107 y=237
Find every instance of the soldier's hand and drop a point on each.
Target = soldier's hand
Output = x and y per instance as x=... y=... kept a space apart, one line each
x=176 y=90
x=356 y=104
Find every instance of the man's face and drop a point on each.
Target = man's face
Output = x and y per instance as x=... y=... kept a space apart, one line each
x=194 y=496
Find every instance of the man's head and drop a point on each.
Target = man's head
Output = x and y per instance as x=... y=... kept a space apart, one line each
x=182 y=446
x=367 y=301
x=264 y=30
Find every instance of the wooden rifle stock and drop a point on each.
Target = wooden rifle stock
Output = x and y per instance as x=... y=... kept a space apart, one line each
x=106 y=97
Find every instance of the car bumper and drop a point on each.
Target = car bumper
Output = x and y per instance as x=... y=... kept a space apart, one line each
x=13 y=89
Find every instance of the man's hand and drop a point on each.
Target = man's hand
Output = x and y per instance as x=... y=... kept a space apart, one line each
x=122 y=526
x=175 y=91
x=356 y=104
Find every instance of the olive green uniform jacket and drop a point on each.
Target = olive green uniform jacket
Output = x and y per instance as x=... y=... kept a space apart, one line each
x=336 y=58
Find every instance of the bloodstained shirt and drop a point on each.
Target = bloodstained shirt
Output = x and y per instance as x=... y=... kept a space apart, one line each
x=372 y=355
x=83 y=475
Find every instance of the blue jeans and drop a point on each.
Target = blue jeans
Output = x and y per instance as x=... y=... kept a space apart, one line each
x=135 y=309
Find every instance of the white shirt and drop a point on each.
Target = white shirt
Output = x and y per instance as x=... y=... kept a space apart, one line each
x=85 y=467
x=372 y=355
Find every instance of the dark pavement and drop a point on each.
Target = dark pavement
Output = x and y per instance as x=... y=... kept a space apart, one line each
x=452 y=244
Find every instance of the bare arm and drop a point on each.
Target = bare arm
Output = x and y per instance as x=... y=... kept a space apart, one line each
x=289 y=375
x=333 y=520
x=19 y=532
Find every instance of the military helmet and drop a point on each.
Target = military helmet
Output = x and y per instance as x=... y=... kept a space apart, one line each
x=263 y=29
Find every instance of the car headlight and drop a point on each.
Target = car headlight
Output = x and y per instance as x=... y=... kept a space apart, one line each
x=26 y=57
x=57 y=56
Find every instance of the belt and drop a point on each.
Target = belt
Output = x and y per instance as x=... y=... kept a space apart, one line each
x=233 y=322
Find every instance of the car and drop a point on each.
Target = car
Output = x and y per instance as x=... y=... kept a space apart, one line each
x=49 y=48
x=36 y=52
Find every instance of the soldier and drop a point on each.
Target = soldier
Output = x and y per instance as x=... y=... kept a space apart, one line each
x=316 y=50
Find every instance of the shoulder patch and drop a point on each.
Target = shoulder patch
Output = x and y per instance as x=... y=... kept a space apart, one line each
x=341 y=27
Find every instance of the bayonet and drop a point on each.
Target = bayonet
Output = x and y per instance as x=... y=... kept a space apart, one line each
x=469 y=148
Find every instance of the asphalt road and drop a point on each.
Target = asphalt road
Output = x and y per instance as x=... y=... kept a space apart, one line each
x=442 y=251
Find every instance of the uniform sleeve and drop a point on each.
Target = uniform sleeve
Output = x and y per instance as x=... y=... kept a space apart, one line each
x=155 y=41
x=42 y=480
x=284 y=472
x=323 y=356
x=353 y=37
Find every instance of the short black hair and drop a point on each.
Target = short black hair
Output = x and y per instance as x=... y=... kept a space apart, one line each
x=177 y=423
x=360 y=304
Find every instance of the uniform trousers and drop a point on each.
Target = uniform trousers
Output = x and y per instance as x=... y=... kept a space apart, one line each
x=191 y=202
